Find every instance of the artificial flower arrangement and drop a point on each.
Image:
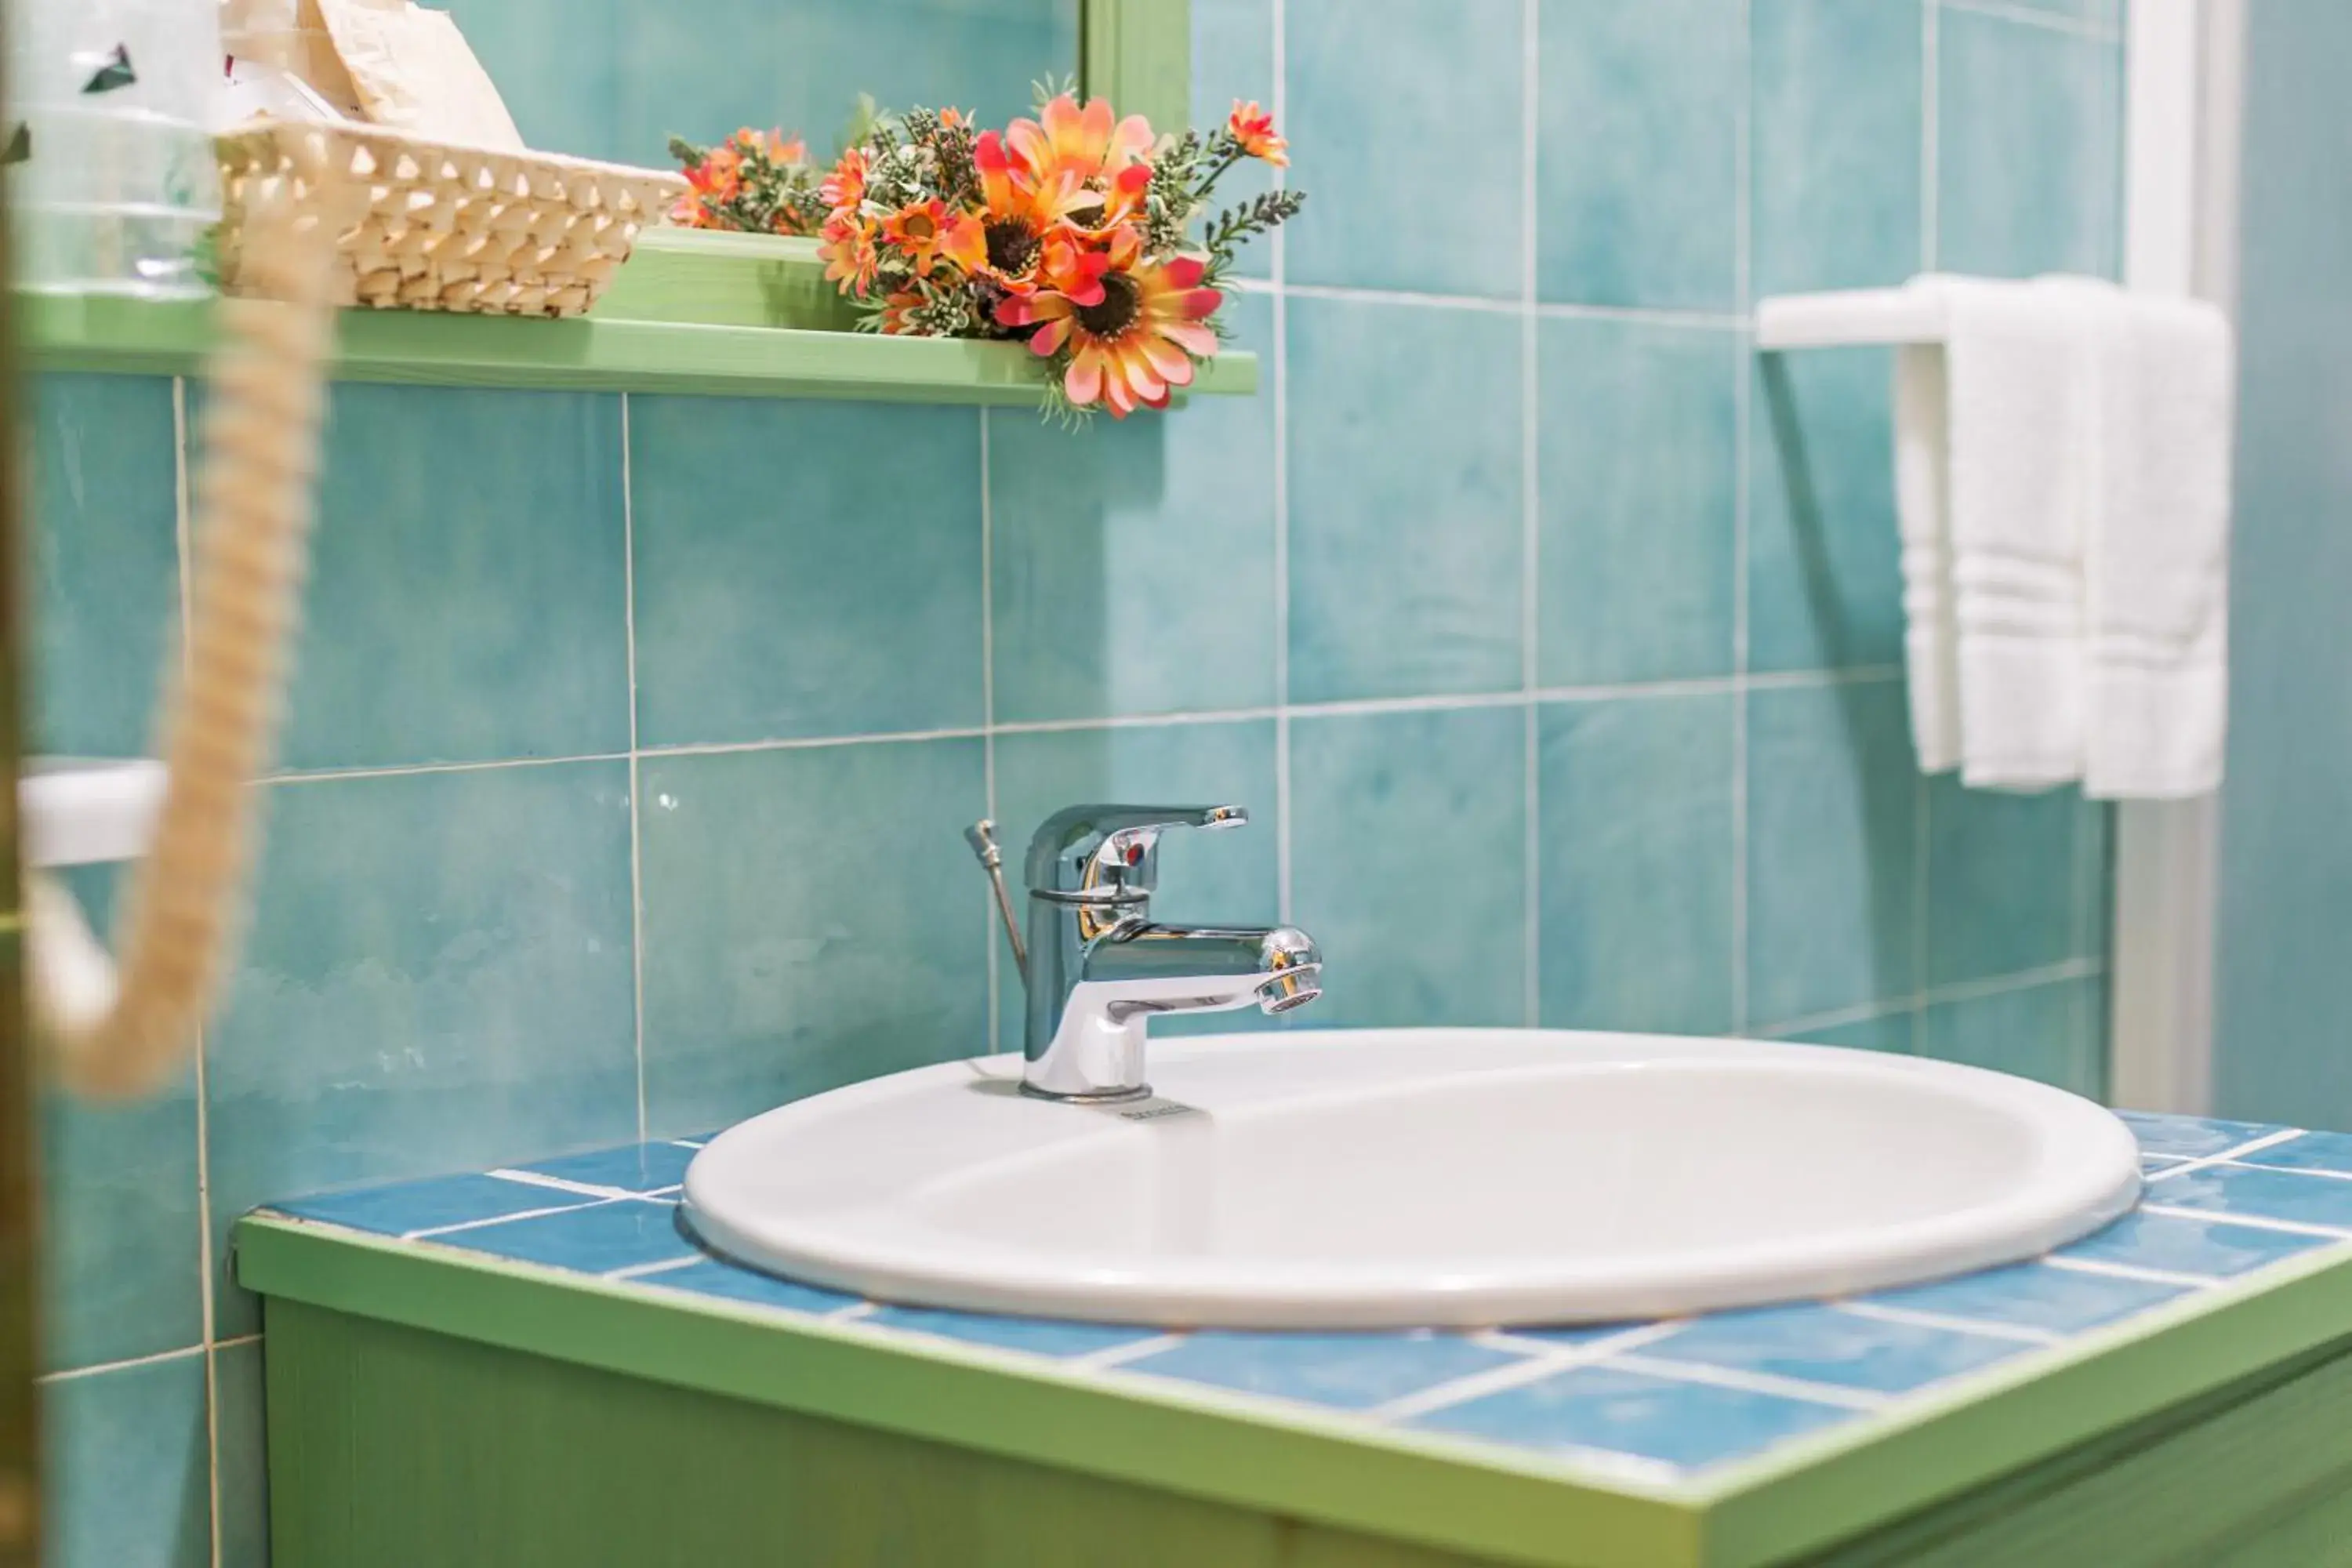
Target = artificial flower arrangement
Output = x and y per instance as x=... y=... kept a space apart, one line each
x=1068 y=233
x=755 y=182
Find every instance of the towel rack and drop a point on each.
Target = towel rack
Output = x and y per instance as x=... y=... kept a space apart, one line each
x=1848 y=317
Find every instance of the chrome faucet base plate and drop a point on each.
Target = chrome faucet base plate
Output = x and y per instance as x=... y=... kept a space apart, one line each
x=1095 y=1097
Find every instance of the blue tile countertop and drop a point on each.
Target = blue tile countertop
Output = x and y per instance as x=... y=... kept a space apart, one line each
x=1652 y=1401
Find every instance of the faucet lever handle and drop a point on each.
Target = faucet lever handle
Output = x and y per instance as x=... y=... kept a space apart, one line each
x=1110 y=854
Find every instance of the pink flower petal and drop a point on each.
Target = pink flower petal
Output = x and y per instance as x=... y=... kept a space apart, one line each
x=1083 y=382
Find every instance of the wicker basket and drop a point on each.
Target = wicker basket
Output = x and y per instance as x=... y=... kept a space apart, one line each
x=434 y=228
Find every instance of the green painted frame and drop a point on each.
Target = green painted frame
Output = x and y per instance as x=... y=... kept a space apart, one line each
x=1138 y=54
x=2132 y=1388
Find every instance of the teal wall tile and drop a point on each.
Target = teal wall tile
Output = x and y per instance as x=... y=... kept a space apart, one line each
x=2053 y=1033
x=437 y=978
x=467 y=575
x=1406 y=518
x=1205 y=878
x=1132 y=562
x=2029 y=148
x=1831 y=847
x=1836 y=160
x=812 y=918
x=1637 y=160
x=1378 y=129
x=1825 y=561
x=239 y=1424
x=2094 y=878
x=804 y=568
x=127 y=1473
x=1233 y=57
x=2000 y=892
x=559 y=65
x=105 y=560
x=1635 y=812
x=1638 y=458
x=1408 y=855
x=1887 y=1032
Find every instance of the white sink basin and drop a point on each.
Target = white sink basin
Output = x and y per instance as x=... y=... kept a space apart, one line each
x=1398 y=1178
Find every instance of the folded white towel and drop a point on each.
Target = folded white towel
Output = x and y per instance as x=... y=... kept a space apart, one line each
x=1922 y=490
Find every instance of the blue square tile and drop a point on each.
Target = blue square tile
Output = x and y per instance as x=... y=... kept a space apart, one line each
x=1638 y=481
x=105 y=558
x=437 y=978
x=1388 y=809
x=1370 y=118
x=2305 y=1151
x=2182 y=1245
x=2253 y=1192
x=1836 y=160
x=2029 y=148
x=1831 y=849
x=1686 y=1424
x=1637 y=161
x=1824 y=565
x=1232 y=59
x=1635 y=856
x=733 y=1283
x=595 y=1239
x=2052 y=1033
x=776 y=596
x=1132 y=562
x=2194 y=1137
x=1205 y=878
x=811 y=918
x=1347 y=1372
x=1406 y=524
x=126 y=1466
x=2032 y=1296
x=467 y=594
x=1845 y=1349
x=1036 y=1336
x=434 y=1204
x=635 y=1168
x=2001 y=897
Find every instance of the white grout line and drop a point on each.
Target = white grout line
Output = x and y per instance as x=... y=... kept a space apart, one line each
x=2206 y=1216
x=1742 y=527
x=2323 y=1175
x=851 y=1313
x=559 y=1184
x=2268 y=1140
x=1981 y=1328
x=687 y=1142
x=1530 y=526
x=338 y=775
x=819 y=742
x=435 y=1233
x=1119 y=1354
x=1753 y=1381
x=2033 y=17
x=1960 y=991
x=1539 y=1360
x=74 y=1374
x=636 y=806
x=1922 y=799
x=1931 y=148
x=646 y=1270
x=2129 y=1271
x=1278 y=263
x=988 y=727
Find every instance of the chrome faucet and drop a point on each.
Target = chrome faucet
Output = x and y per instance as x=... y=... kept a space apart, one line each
x=1098 y=966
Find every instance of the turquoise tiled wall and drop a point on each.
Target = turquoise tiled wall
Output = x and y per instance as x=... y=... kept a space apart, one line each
x=1551 y=639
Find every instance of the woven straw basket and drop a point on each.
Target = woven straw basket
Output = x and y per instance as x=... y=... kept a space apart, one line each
x=427 y=226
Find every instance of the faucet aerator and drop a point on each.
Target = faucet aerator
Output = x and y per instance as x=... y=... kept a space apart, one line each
x=1287 y=993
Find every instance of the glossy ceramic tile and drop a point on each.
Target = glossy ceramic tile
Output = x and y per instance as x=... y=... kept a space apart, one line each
x=2029 y=148
x=1346 y=1371
x=1994 y=905
x=779 y=594
x=1836 y=160
x=1634 y=843
x=558 y=65
x=465 y=579
x=643 y=1168
x=425 y=1207
x=1205 y=878
x=1890 y=1031
x=1371 y=119
x=1406 y=523
x=2329 y=1151
x=2299 y=1197
x=1652 y=1400
x=1233 y=58
x=1638 y=484
x=1841 y=1349
x=2198 y=1137
x=812 y=917
x=1832 y=817
x=1132 y=562
x=2047 y=1032
x=126 y=1469
x=244 y=1457
x=1612 y=1411
x=1408 y=848
x=437 y=976
x=104 y=560
x=1824 y=565
x=1637 y=160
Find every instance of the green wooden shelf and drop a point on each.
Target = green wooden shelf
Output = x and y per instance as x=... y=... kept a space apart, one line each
x=423 y=349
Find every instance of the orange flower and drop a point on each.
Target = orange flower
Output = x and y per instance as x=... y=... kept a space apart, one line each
x=1254 y=128
x=917 y=229
x=894 y=309
x=846 y=186
x=1015 y=216
x=846 y=245
x=1136 y=344
x=1093 y=160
